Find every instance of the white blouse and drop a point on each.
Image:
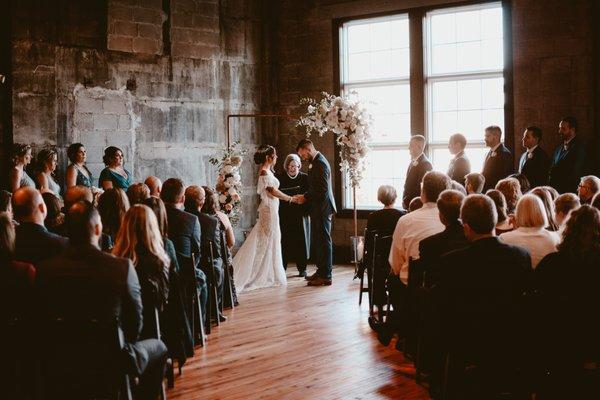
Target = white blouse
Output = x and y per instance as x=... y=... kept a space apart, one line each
x=538 y=241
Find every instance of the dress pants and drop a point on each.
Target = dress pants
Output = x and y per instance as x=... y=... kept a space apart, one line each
x=321 y=231
x=149 y=358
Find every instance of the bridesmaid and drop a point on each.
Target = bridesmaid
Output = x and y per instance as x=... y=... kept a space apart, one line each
x=21 y=157
x=114 y=175
x=47 y=160
x=78 y=173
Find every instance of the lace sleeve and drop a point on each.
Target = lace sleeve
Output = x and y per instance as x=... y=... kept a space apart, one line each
x=265 y=181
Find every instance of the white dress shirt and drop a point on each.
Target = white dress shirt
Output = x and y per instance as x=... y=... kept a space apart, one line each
x=410 y=230
x=538 y=241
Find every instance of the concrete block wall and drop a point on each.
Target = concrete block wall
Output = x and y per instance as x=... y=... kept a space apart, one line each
x=552 y=66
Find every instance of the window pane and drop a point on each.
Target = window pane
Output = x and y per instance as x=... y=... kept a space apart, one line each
x=384 y=167
x=358 y=38
x=476 y=155
x=390 y=108
x=465 y=40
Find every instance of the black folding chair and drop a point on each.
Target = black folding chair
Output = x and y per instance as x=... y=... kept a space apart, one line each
x=152 y=320
x=228 y=296
x=382 y=244
x=187 y=265
x=365 y=266
x=81 y=358
x=213 y=308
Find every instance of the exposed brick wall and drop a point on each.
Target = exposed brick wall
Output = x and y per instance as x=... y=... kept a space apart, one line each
x=135 y=26
x=552 y=65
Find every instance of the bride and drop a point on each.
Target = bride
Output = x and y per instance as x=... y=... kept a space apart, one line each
x=258 y=263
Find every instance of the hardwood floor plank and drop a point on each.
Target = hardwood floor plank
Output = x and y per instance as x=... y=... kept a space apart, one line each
x=298 y=342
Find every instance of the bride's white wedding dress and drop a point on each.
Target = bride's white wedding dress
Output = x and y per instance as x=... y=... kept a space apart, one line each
x=258 y=262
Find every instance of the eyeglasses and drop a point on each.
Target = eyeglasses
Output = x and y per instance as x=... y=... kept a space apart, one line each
x=585 y=187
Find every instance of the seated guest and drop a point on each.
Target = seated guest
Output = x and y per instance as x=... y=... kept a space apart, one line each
x=84 y=282
x=458 y=187
x=567 y=282
x=227 y=226
x=114 y=175
x=588 y=187
x=596 y=201
x=16 y=278
x=459 y=165
x=451 y=238
x=504 y=224
x=474 y=183
x=419 y=165
x=294 y=222
x=154 y=184
x=78 y=193
x=184 y=228
x=6 y=203
x=78 y=173
x=415 y=204
x=523 y=182
x=21 y=158
x=534 y=163
x=480 y=297
x=530 y=232
x=112 y=206
x=386 y=218
x=34 y=242
x=195 y=197
x=498 y=162
x=54 y=218
x=546 y=198
x=140 y=241
x=511 y=189
x=47 y=160
x=563 y=205
x=137 y=193
x=553 y=192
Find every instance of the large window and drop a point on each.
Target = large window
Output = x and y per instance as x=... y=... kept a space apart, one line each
x=463 y=77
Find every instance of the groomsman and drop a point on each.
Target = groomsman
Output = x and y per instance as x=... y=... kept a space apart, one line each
x=534 y=163
x=418 y=167
x=459 y=165
x=569 y=158
x=498 y=162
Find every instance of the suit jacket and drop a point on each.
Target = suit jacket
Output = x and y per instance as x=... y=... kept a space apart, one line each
x=535 y=168
x=567 y=166
x=184 y=231
x=211 y=230
x=481 y=293
x=459 y=168
x=431 y=249
x=86 y=282
x=497 y=167
x=35 y=243
x=320 y=193
x=414 y=176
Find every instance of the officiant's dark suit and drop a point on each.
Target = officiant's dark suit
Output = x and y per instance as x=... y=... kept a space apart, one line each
x=480 y=295
x=498 y=165
x=535 y=167
x=84 y=283
x=322 y=207
x=414 y=176
x=568 y=165
x=294 y=222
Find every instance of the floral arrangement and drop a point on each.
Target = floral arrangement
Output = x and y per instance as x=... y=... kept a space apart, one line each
x=349 y=121
x=229 y=181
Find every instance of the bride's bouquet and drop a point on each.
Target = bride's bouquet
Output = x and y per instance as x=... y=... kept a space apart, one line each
x=229 y=181
x=349 y=121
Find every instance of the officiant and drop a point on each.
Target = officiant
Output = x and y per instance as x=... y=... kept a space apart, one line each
x=293 y=218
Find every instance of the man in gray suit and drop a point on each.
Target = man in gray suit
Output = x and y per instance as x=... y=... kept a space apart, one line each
x=86 y=283
x=322 y=207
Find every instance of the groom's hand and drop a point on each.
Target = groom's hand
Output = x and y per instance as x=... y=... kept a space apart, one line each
x=300 y=199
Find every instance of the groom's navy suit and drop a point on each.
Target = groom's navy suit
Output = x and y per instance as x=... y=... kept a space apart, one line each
x=322 y=207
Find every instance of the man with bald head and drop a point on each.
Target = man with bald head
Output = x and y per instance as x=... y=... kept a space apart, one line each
x=154 y=184
x=34 y=242
x=77 y=193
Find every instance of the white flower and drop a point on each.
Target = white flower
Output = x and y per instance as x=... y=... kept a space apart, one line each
x=222 y=199
x=227 y=169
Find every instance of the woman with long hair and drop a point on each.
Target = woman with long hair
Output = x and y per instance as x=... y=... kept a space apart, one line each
x=47 y=160
x=112 y=206
x=55 y=218
x=504 y=222
x=21 y=158
x=546 y=196
x=114 y=175
x=139 y=240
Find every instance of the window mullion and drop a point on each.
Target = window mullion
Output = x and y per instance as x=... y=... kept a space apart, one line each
x=417 y=94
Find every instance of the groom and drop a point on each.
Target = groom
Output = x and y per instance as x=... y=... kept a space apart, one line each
x=322 y=207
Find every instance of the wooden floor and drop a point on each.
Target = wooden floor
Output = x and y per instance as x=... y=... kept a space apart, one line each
x=298 y=342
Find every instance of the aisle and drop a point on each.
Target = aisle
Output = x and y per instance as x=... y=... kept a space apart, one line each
x=297 y=342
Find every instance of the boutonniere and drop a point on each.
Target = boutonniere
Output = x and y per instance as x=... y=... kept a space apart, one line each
x=530 y=155
x=493 y=154
x=415 y=163
x=310 y=166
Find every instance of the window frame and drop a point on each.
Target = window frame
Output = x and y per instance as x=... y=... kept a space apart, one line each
x=418 y=84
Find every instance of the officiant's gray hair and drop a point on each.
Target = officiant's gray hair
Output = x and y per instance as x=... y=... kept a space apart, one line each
x=289 y=159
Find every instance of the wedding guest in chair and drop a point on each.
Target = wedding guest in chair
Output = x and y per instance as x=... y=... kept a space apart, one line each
x=293 y=219
x=112 y=206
